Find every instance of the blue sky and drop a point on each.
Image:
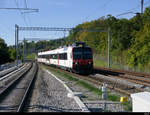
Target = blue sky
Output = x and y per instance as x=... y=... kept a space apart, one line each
x=59 y=13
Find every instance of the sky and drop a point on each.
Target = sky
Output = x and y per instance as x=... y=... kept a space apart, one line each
x=58 y=13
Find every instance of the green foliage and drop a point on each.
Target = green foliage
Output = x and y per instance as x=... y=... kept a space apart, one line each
x=130 y=39
x=140 y=50
x=12 y=54
x=30 y=56
x=4 y=54
x=113 y=97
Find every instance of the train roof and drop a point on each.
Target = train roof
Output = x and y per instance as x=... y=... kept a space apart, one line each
x=64 y=49
x=60 y=50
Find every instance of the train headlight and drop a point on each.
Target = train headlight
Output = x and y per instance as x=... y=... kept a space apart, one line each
x=90 y=62
x=75 y=63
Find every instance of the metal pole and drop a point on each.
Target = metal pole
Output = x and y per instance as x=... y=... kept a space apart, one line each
x=16 y=38
x=109 y=45
x=23 y=48
x=65 y=36
x=15 y=41
x=142 y=1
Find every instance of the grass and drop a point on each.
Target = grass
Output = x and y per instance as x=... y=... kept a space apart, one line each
x=82 y=83
x=89 y=87
x=100 y=63
x=103 y=63
x=30 y=56
x=113 y=97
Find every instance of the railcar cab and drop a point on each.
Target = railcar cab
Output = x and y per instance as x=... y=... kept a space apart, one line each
x=82 y=58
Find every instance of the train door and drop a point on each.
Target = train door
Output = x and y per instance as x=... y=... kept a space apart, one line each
x=70 y=59
x=49 y=59
x=57 y=59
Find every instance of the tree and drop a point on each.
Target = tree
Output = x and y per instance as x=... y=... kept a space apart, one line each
x=12 y=54
x=4 y=55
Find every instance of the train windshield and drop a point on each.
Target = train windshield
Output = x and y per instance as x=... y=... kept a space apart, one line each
x=82 y=53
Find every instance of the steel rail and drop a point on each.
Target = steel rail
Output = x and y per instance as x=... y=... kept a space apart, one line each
x=7 y=71
x=23 y=101
x=109 y=70
x=97 y=81
x=11 y=73
x=139 y=78
x=14 y=81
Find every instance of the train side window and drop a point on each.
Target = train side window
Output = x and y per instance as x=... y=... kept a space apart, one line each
x=59 y=56
x=62 y=56
x=65 y=56
x=55 y=56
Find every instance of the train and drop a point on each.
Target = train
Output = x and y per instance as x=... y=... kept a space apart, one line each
x=76 y=58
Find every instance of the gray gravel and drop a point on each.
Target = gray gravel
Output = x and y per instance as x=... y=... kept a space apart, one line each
x=49 y=95
x=93 y=101
x=124 y=82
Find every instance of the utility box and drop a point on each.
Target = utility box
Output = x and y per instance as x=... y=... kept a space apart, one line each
x=123 y=99
x=141 y=102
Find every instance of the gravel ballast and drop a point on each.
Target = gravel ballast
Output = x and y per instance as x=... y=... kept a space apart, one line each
x=49 y=95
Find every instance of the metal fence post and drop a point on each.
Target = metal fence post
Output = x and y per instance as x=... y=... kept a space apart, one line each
x=104 y=96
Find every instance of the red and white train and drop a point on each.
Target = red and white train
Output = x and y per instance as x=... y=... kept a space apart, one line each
x=77 y=58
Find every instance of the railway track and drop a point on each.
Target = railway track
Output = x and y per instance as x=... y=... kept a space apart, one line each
x=14 y=94
x=139 y=78
x=7 y=71
x=7 y=79
x=117 y=71
x=125 y=88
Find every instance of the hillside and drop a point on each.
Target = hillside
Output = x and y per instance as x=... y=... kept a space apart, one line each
x=130 y=43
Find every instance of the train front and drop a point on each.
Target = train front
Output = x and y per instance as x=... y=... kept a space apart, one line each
x=82 y=59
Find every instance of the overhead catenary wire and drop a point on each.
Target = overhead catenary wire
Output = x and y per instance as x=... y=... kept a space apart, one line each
x=96 y=9
x=130 y=11
x=102 y=6
x=21 y=13
x=25 y=2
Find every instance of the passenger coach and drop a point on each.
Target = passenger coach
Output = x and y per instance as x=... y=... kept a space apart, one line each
x=77 y=58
